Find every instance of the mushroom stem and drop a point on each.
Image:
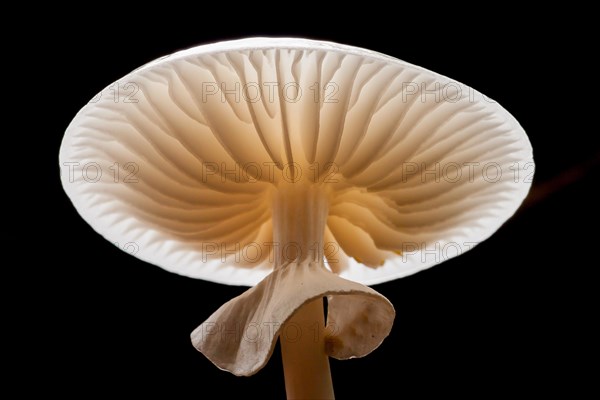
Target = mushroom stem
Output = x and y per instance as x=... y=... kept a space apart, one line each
x=305 y=363
x=299 y=217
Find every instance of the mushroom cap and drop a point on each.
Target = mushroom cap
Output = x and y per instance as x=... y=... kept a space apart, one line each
x=176 y=162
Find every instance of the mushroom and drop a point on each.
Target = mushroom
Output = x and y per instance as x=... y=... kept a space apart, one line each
x=304 y=169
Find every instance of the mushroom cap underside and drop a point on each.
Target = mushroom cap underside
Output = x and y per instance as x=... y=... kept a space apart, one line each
x=177 y=161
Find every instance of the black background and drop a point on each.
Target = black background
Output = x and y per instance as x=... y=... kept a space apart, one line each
x=509 y=317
